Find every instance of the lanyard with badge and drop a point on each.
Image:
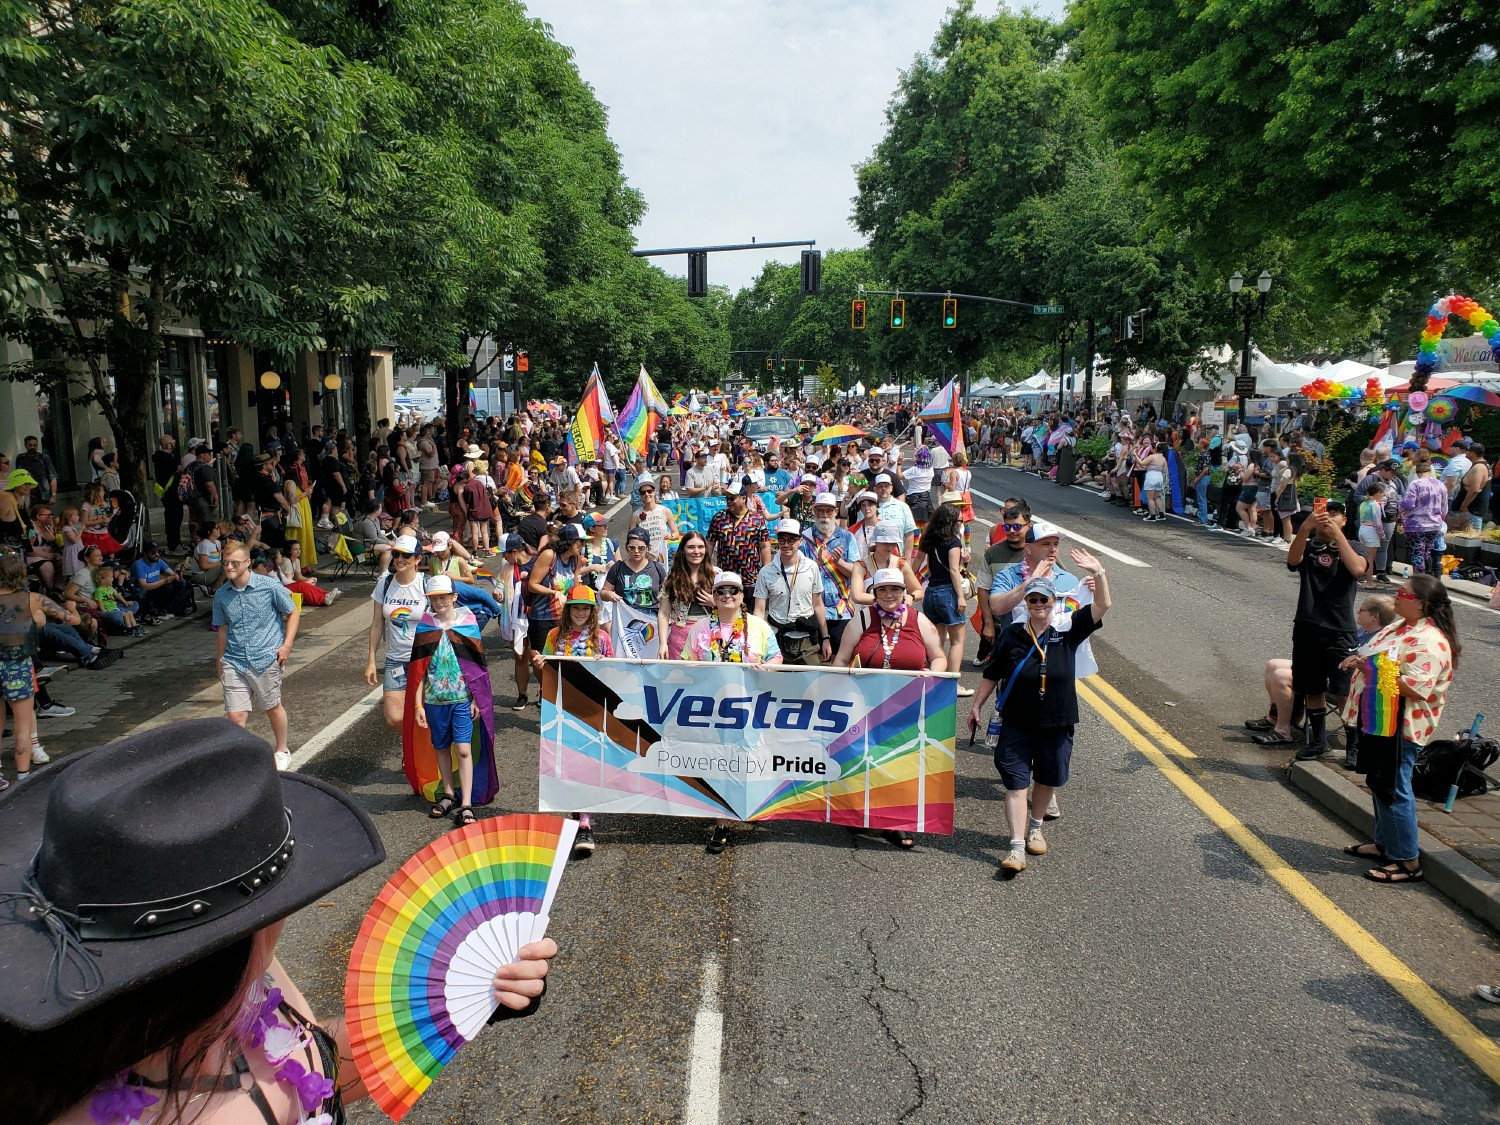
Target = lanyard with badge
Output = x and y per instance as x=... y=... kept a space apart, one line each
x=1041 y=650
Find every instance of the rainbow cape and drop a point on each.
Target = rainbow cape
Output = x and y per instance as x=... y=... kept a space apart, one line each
x=594 y=419
x=642 y=413
x=941 y=417
x=1379 y=710
x=418 y=758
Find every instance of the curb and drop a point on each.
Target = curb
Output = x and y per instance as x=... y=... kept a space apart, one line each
x=1462 y=880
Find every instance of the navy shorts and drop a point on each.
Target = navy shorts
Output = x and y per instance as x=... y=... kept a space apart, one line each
x=1041 y=754
x=940 y=606
x=449 y=723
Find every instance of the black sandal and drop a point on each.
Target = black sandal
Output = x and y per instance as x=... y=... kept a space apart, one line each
x=443 y=807
x=899 y=838
x=1356 y=850
x=1394 y=873
x=1261 y=724
x=464 y=815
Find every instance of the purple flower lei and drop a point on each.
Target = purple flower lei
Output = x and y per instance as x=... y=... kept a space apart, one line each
x=121 y=1101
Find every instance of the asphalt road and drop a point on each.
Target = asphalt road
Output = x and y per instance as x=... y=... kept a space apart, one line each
x=1146 y=969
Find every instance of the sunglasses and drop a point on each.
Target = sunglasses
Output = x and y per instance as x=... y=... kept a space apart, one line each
x=727 y=591
x=1038 y=599
x=1405 y=595
x=401 y=555
x=1012 y=526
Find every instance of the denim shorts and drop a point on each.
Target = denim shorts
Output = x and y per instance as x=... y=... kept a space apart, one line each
x=449 y=723
x=940 y=605
x=1042 y=753
x=395 y=675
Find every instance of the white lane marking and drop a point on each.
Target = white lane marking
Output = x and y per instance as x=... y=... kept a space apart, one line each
x=704 y=1053
x=325 y=737
x=1120 y=556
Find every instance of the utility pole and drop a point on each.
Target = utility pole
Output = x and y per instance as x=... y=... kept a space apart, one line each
x=1088 y=372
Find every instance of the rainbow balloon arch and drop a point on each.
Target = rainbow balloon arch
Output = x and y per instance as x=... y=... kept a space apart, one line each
x=1419 y=421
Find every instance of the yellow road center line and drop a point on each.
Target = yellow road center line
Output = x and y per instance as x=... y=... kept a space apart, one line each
x=1479 y=1047
x=1142 y=720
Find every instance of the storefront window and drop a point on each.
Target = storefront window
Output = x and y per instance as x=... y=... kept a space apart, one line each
x=54 y=426
x=174 y=382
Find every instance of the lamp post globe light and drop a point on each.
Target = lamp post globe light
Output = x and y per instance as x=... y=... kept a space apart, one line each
x=1247 y=307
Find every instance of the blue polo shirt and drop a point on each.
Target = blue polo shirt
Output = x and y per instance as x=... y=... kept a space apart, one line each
x=256 y=620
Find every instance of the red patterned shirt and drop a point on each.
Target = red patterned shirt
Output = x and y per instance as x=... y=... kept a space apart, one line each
x=1424 y=662
x=737 y=544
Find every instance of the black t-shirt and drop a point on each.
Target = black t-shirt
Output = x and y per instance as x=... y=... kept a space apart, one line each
x=1327 y=595
x=639 y=589
x=163 y=467
x=531 y=529
x=1026 y=706
x=266 y=491
x=328 y=473
x=203 y=473
x=549 y=448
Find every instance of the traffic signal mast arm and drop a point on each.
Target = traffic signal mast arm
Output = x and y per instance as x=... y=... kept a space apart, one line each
x=960 y=296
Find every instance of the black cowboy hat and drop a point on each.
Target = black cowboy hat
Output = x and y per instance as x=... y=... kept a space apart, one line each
x=126 y=862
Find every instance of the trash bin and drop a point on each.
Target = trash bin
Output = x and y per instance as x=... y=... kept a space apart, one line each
x=1067 y=466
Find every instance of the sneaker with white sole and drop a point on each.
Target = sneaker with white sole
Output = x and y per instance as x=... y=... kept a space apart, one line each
x=283 y=760
x=1036 y=843
x=54 y=711
x=333 y=595
x=965 y=692
x=1053 y=812
x=39 y=757
x=1015 y=860
x=1488 y=992
x=583 y=843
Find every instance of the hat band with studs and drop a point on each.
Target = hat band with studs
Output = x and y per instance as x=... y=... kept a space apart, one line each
x=124 y=920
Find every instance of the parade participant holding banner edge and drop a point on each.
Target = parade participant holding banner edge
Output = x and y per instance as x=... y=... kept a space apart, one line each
x=1037 y=711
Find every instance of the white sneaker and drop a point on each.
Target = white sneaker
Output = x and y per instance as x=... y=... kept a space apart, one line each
x=283 y=760
x=965 y=692
x=1036 y=843
x=333 y=595
x=1279 y=542
x=39 y=757
x=325 y=524
x=1015 y=860
x=1053 y=812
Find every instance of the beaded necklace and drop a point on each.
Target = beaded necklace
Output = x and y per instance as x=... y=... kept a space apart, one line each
x=730 y=649
x=889 y=637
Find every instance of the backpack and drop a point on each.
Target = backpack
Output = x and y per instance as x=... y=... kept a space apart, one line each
x=1463 y=760
x=187 y=486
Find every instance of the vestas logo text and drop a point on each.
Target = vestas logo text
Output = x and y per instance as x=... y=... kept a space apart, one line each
x=762 y=712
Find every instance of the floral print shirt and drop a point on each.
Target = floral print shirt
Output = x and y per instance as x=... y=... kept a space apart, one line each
x=1425 y=664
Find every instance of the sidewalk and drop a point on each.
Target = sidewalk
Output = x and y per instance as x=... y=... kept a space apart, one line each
x=1460 y=851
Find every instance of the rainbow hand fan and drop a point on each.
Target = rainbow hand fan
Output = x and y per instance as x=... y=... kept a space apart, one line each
x=419 y=975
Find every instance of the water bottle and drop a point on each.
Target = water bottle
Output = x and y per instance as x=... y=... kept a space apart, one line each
x=992 y=732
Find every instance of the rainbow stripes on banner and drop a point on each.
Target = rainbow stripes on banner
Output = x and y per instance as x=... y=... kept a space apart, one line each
x=1379 y=703
x=642 y=413
x=863 y=748
x=941 y=417
x=594 y=419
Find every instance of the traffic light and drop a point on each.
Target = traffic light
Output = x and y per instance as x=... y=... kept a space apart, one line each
x=781 y=360
x=697 y=279
x=898 y=313
x=950 y=312
x=768 y=363
x=801 y=367
x=856 y=314
x=812 y=272
x=1130 y=328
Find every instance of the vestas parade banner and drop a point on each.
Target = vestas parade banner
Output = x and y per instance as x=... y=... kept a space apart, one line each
x=863 y=748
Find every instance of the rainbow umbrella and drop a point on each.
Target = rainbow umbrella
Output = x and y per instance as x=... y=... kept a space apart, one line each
x=834 y=435
x=1470 y=393
x=678 y=410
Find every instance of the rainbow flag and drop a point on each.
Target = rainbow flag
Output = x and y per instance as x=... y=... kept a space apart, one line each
x=1387 y=427
x=594 y=419
x=1378 y=710
x=941 y=417
x=642 y=413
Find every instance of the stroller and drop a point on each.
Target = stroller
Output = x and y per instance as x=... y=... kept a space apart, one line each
x=127 y=526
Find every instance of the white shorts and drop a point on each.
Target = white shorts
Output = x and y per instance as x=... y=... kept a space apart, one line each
x=251 y=691
x=1153 y=482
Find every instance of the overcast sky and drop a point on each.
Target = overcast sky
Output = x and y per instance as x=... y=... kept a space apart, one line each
x=741 y=119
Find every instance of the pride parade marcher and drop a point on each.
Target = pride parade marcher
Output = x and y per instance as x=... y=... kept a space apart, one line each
x=256 y=624
x=448 y=703
x=399 y=602
x=898 y=638
x=792 y=600
x=738 y=539
x=1038 y=708
x=730 y=636
x=105 y=1021
x=944 y=602
x=578 y=635
x=687 y=596
x=834 y=550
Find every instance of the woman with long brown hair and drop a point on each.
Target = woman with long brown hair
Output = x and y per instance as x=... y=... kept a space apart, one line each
x=687 y=594
x=1401 y=679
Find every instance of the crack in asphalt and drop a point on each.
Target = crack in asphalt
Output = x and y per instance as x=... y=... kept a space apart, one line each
x=871 y=998
x=854 y=852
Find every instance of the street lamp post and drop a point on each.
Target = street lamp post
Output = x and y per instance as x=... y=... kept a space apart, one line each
x=1247 y=308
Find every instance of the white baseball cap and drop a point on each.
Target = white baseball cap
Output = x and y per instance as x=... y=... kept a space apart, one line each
x=808 y=478
x=863 y=496
x=407 y=544
x=789 y=527
x=732 y=488
x=1041 y=529
x=728 y=578
x=887 y=576
x=886 y=533
x=883 y=478
x=439 y=584
x=825 y=500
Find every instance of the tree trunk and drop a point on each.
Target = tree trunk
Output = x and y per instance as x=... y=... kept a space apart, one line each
x=133 y=353
x=359 y=375
x=1173 y=382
